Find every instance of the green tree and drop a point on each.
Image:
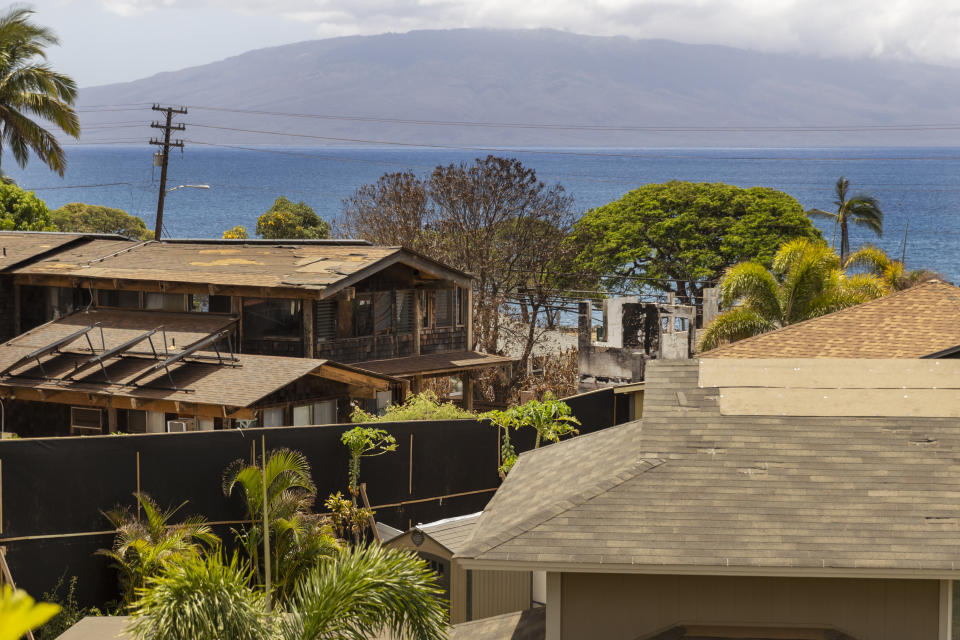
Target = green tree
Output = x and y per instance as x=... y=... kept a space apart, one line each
x=417 y=406
x=551 y=418
x=677 y=235
x=144 y=545
x=862 y=210
x=93 y=218
x=23 y=211
x=298 y=538
x=29 y=87
x=365 y=442
x=806 y=281
x=288 y=220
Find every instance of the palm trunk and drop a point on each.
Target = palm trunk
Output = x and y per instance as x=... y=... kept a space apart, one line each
x=844 y=243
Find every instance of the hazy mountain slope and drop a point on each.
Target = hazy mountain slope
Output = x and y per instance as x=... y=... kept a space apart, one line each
x=543 y=77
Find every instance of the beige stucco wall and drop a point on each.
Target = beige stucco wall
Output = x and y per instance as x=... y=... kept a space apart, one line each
x=631 y=607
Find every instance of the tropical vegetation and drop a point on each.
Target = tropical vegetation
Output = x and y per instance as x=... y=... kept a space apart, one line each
x=418 y=406
x=365 y=442
x=290 y=220
x=30 y=89
x=92 y=218
x=806 y=281
x=22 y=210
x=551 y=418
x=895 y=275
x=861 y=210
x=680 y=236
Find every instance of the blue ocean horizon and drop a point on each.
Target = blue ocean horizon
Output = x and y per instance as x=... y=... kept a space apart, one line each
x=916 y=185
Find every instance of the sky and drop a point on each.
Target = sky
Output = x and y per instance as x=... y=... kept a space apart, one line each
x=107 y=41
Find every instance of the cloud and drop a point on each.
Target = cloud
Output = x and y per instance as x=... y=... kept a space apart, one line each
x=910 y=29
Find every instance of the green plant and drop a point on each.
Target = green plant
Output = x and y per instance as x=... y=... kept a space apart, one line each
x=19 y=613
x=551 y=418
x=238 y=232
x=200 y=597
x=298 y=538
x=29 y=86
x=285 y=220
x=419 y=406
x=91 y=218
x=893 y=273
x=22 y=210
x=144 y=545
x=862 y=210
x=365 y=442
x=70 y=610
x=363 y=591
x=806 y=281
x=348 y=519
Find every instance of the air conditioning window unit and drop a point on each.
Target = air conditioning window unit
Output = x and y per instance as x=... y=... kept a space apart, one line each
x=181 y=425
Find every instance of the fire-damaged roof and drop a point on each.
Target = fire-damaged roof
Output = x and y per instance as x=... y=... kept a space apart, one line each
x=317 y=269
x=17 y=247
x=148 y=357
x=436 y=363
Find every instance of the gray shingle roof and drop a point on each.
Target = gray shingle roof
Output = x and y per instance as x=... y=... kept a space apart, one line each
x=452 y=533
x=689 y=487
x=519 y=625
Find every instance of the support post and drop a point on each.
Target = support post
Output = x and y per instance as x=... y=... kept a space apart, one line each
x=417 y=327
x=467 y=381
x=309 y=343
x=554 y=602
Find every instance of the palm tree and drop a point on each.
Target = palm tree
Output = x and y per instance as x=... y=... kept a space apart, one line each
x=29 y=87
x=862 y=210
x=144 y=545
x=806 y=281
x=299 y=539
x=893 y=272
x=364 y=590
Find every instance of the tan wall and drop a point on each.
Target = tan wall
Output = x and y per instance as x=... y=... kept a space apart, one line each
x=631 y=607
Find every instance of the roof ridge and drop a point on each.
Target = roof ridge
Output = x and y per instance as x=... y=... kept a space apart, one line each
x=550 y=509
x=796 y=325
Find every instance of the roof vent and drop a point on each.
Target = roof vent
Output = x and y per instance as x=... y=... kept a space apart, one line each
x=924 y=442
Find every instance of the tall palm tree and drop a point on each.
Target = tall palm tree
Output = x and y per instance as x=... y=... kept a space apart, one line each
x=862 y=210
x=29 y=87
x=806 y=281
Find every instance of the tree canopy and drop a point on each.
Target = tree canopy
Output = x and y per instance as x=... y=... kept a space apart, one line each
x=29 y=87
x=23 y=211
x=676 y=235
x=94 y=218
x=289 y=220
x=862 y=210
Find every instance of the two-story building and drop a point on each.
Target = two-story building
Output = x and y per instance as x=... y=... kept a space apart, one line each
x=387 y=311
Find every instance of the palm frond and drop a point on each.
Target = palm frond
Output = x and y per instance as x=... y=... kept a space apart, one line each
x=751 y=284
x=734 y=325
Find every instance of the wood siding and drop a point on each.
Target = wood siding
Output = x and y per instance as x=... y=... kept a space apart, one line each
x=634 y=607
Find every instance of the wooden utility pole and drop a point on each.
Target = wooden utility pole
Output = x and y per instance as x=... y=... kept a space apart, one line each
x=165 y=145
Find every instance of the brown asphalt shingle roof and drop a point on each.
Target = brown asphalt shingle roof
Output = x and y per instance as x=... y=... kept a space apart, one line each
x=17 y=247
x=916 y=322
x=687 y=487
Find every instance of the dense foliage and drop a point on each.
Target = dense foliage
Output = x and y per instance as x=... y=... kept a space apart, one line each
x=418 y=406
x=894 y=274
x=92 y=218
x=23 y=211
x=675 y=236
x=289 y=220
x=29 y=87
x=806 y=281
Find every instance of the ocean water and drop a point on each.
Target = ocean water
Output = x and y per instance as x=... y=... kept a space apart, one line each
x=919 y=186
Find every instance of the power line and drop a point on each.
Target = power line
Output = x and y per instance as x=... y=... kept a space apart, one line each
x=165 y=146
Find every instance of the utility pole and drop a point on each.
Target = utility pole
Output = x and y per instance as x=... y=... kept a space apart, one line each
x=165 y=145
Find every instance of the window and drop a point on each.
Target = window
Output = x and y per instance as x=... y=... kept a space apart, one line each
x=271 y=319
x=165 y=301
x=85 y=421
x=324 y=412
x=383 y=312
x=273 y=417
x=325 y=319
x=132 y=420
x=363 y=315
x=118 y=298
x=205 y=303
x=384 y=400
x=404 y=310
x=444 y=313
x=461 y=304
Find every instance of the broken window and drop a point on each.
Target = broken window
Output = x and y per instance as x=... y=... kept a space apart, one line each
x=118 y=298
x=405 y=311
x=363 y=315
x=205 y=303
x=325 y=319
x=271 y=319
x=383 y=312
x=165 y=301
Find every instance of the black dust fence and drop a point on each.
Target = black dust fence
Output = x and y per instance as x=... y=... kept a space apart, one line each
x=53 y=490
x=595 y=409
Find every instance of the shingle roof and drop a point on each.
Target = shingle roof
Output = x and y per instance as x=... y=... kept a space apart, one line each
x=913 y=323
x=519 y=625
x=278 y=265
x=687 y=487
x=451 y=533
x=17 y=247
x=202 y=382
